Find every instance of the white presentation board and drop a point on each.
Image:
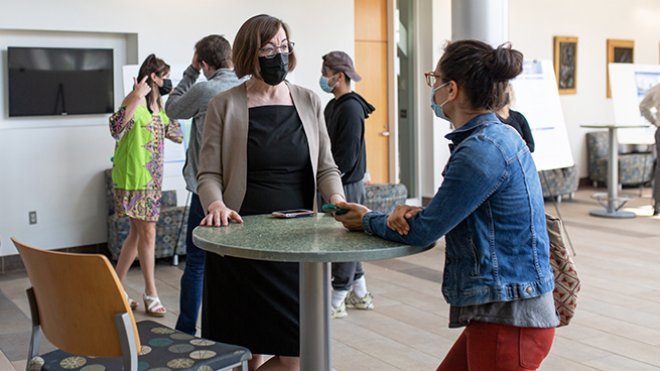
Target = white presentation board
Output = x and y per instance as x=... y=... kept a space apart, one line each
x=629 y=83
x=537 y=98
x=175 y=154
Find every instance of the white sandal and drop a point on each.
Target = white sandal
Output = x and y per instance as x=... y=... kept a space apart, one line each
x=153 y=307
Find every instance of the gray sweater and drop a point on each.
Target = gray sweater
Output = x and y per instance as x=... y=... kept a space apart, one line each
x=190 y=100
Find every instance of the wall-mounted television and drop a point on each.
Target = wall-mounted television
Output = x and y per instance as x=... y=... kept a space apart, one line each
x=59 y=81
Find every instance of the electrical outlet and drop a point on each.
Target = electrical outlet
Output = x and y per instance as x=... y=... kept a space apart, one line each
x=32 y=215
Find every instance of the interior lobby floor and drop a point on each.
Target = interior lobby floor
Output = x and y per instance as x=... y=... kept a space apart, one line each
x=616 y=326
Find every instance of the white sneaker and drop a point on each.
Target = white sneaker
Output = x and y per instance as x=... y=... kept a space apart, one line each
x=338 y=312
x=355 y=302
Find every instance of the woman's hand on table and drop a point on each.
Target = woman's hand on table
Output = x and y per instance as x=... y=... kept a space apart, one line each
x=398 y=219
x=220 y=215
x=352 y=219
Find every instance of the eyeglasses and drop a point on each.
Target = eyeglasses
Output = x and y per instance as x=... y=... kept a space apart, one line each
x=271 y=51
x=431 y=78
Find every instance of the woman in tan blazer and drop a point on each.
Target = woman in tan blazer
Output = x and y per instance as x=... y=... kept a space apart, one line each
x=265 y=148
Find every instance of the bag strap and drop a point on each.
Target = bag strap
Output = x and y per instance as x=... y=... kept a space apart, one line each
x=563 y=225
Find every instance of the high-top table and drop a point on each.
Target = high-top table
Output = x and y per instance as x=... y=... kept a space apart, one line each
x=614 y=202
x=314 y=242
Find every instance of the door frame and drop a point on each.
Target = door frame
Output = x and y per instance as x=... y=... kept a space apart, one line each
x=392 y=95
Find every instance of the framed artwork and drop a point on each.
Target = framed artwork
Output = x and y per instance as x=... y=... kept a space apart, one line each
x=618 y=51
x=565 y=63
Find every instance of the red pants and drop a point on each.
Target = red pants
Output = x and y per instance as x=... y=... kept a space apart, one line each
x=491 y=346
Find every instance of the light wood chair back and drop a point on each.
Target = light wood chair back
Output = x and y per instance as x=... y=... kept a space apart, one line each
x=78 y=297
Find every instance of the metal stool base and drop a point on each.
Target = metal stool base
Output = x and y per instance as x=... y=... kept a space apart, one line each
x=613 y=214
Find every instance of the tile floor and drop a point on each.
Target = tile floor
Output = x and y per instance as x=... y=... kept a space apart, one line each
x=617 y=325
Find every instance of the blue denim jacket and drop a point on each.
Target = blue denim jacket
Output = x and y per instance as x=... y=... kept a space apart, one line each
x=490 y=207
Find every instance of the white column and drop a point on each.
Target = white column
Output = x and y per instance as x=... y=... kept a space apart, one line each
x=485 y=20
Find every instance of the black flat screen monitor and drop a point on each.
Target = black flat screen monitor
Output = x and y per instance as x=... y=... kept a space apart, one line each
x=59 y=81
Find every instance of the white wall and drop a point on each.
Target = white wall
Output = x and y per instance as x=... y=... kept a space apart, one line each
x=54 y=165
x=440 y=128
x=534 y=23
x=434 y=30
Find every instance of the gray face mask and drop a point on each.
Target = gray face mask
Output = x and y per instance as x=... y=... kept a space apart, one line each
x=437 y=108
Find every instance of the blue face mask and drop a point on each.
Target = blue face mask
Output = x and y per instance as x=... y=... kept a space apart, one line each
x=325 y=86
x=437 y=108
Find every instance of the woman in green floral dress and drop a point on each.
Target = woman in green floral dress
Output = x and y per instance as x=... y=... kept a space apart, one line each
x=140 y=127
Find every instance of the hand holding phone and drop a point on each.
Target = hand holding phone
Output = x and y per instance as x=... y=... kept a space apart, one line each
x=330 y=208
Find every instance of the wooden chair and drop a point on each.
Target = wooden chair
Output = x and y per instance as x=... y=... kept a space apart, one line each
x=79 y=304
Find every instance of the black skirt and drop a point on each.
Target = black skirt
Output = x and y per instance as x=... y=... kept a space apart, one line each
x=254 y=303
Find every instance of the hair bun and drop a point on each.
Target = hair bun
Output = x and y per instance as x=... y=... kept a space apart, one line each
x=504 y=63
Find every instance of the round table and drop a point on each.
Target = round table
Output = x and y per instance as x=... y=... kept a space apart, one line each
x=614 y=202
x=314 y=242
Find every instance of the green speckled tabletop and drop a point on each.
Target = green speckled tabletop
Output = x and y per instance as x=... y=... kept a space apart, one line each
x=317 y=238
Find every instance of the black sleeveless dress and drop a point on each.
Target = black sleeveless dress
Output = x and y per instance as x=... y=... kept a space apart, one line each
x=255 y=303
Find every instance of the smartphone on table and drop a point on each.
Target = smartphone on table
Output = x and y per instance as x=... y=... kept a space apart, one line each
x=332 y=208
x=295 y=213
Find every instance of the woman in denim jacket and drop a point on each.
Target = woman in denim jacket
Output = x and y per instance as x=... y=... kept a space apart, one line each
x=497 y=275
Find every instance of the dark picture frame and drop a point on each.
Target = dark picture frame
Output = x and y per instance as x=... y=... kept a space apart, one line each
x=618 y=51
x=565 y=54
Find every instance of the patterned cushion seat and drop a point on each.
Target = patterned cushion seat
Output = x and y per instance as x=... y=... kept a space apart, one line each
x=163 y=348
x=635 y=168
x=384 y=197
x=559 y=182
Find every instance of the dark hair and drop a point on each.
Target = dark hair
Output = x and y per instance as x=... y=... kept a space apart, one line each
x=483 y=72
x=348 y=79
x=215 y=51
x=153 y=64
x=253 y=35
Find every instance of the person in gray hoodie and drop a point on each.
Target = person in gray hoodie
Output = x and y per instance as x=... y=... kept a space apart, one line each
x=189 y=99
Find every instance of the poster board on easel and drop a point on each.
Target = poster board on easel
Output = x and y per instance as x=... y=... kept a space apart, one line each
x=629 y=84
x=537 y=98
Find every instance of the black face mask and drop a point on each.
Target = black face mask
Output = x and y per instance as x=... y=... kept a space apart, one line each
x=166 y=88
x=274 y=70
